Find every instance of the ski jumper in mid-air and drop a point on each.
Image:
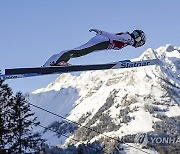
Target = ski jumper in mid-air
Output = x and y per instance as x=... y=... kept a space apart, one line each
x=102 y=41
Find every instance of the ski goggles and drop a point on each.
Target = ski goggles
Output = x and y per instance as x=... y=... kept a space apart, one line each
x=137 y=37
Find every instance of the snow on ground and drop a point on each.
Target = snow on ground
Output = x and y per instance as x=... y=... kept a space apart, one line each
x=134 y=149
x=173 y=111
x=142 y=118
x=59 y=102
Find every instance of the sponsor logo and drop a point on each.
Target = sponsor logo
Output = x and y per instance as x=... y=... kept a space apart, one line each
x=135 y=64
x=9 y=77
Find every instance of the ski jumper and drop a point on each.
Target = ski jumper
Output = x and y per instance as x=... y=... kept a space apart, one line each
x=101 y=41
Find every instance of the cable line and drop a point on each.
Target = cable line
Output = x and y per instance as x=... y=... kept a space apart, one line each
x=63 y=135
x=86 y=127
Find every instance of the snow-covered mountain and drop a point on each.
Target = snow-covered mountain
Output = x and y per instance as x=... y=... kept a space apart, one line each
x=116 y=103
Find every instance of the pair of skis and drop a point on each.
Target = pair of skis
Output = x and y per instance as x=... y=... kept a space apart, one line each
x=38 y=71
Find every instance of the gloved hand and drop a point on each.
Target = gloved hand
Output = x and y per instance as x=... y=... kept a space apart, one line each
x=98 y=32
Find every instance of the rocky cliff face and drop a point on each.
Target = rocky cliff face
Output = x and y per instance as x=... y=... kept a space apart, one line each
x=117 y=103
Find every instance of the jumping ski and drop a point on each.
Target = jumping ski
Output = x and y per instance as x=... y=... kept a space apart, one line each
x=38 y=71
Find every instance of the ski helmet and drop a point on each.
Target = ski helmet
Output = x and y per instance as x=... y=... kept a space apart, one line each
x=139 y=38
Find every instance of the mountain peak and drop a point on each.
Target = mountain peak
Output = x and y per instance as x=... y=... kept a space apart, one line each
x=114 y=102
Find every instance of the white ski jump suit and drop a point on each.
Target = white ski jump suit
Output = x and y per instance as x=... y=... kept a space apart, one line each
x=101 y=41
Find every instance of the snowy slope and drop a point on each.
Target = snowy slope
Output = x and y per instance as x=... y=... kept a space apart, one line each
x=115 y=102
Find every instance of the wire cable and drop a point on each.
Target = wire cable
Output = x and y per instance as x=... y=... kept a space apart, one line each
x=64 y=135
x=86 y=127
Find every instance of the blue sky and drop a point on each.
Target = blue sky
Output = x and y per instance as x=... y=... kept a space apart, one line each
x=31 y=31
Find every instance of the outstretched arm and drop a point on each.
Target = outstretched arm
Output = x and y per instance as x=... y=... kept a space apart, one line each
x=124 y=37
x=103 y=33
